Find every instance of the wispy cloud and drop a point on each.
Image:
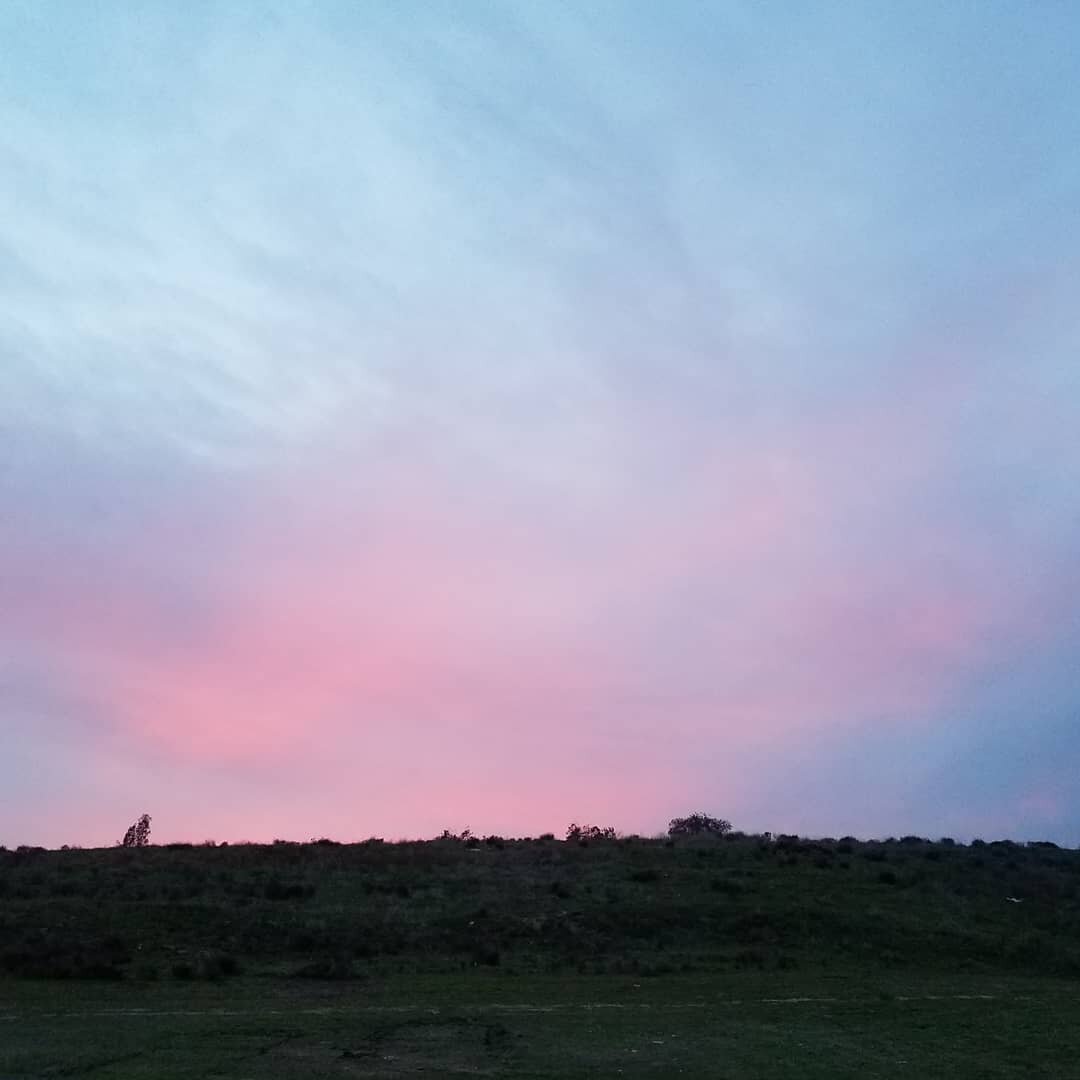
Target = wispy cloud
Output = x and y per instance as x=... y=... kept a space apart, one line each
x=394 y=401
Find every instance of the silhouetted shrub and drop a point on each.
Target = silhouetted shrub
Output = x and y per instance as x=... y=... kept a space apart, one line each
x=279 y=890
x=463 y=836
x=59 y=954
x=211 y=966
x=591 y=832
x=698 y=824
x=486 y=955
x=229 y=964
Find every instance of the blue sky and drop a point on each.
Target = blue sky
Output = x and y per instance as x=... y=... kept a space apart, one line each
x=498 y=414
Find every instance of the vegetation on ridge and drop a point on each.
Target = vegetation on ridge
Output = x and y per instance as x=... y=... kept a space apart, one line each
x=709 y=901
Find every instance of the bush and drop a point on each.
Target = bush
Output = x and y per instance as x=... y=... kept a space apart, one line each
x=591 y=832
x=208 y=966
x=464 y=836
x=48 y=954
x=229 y=965
x=278 y=890
x=698 y=824
x=486 y=955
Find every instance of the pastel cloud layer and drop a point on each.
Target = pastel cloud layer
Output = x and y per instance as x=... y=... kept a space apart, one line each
x=497 y=416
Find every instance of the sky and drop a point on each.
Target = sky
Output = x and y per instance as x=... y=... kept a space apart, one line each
x=429 y=415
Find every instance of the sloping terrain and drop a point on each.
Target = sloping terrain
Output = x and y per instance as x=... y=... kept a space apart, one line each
x=628 y=906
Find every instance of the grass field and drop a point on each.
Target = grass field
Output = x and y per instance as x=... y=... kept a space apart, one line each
x=747 y=1026
x=743 y=957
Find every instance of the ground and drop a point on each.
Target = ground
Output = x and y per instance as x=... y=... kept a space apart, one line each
x=750 y=1026
x=734 y=958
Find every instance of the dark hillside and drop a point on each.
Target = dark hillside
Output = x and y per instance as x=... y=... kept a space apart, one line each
x=632 y=906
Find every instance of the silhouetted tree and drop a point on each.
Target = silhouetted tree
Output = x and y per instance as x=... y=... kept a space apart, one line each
x=138 y=835
x=698 y=824
x=590 y=832
x=464 y=836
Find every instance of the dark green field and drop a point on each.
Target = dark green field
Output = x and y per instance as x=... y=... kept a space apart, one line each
x=740 y=957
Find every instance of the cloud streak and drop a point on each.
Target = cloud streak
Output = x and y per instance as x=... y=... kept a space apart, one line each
x=452 y=417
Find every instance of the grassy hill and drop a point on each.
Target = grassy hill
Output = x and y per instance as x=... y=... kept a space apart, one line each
x=630 y=906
